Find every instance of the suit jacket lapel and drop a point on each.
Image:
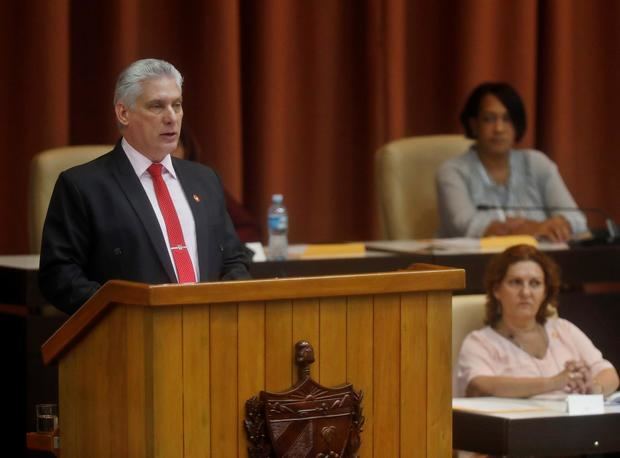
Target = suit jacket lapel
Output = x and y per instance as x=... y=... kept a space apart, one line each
x=131 y=186
x=198 y=202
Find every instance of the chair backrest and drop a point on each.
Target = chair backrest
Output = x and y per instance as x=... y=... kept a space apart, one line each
x=467 y=316
x=405 y=181
x=44 y=170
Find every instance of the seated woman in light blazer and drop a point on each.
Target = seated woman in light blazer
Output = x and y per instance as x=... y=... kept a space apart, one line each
x=494 y=173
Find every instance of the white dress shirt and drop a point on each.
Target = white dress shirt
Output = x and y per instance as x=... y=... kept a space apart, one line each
x=140 y=164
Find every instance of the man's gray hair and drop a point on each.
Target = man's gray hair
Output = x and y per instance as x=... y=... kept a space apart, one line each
x=129 y=83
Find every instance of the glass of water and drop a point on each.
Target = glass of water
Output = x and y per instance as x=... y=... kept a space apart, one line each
x=47 y=418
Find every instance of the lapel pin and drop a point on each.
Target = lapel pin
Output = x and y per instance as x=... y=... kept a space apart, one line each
x=196 y=197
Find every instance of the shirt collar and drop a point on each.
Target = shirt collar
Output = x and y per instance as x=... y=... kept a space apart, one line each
x=486 y=179
x=140 y=162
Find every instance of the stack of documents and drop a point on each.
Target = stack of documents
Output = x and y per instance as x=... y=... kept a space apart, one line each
x=458 y=245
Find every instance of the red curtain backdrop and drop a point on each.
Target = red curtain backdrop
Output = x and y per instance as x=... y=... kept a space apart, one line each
x=295 y=96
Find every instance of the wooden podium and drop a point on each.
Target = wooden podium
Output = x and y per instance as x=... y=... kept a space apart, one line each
x=164 y=371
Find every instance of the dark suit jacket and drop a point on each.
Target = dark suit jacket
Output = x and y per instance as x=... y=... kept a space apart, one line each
x=100 y=226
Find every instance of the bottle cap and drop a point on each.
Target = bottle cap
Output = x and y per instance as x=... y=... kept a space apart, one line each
x=277 y=198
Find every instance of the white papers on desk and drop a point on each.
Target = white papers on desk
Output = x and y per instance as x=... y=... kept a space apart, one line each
x=514 y=408
x=257 y=249
x=613 y=399
x=400 y=246
x=20 y=262
x=497 y=405
x=455 y=245
x=460 y=245
x=545 y=245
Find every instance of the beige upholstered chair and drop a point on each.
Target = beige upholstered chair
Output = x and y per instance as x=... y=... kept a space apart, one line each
x=467 y=316
x=44 y=170
x=405 y=180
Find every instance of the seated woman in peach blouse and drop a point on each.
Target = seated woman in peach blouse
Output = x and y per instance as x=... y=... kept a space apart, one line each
x=526 y=350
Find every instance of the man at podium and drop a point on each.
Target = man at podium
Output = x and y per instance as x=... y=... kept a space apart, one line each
x=137 y=213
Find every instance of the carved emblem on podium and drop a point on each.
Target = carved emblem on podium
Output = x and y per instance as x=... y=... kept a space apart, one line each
x=309 y=420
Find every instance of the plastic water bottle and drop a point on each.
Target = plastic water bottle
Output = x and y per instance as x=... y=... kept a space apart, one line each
x=277 y=223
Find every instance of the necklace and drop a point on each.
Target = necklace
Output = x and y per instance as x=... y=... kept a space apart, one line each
x=534 y=349
x=545 y=367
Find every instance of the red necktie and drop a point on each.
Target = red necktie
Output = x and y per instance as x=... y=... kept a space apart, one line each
x=182 y=260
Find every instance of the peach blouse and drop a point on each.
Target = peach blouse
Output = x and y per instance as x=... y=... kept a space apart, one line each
x=487 y=353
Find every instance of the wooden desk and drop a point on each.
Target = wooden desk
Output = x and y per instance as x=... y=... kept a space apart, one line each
x=525 y=434
x=372 y=262
x=579 y=265
x=18 y=277
x=596 y=315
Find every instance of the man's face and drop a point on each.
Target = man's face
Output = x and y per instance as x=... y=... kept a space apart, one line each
x=153 y=124
x=493 y=128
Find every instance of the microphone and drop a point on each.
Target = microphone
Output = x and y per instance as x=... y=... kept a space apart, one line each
x=612 y=235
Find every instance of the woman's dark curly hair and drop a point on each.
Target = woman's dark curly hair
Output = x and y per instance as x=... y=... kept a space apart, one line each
x=498 y=267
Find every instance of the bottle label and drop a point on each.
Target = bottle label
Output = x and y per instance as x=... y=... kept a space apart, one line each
x=278 y=222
